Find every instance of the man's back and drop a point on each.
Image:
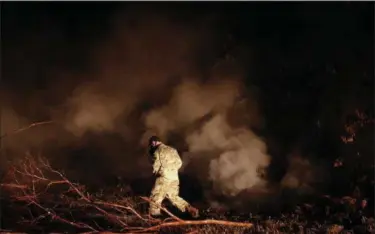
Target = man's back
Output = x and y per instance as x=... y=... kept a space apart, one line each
x=167 y=161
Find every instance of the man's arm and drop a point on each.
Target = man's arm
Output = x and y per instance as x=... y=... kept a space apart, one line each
x=157 y=162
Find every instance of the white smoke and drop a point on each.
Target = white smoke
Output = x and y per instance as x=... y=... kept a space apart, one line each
x=148 y=59
x=190 y=102
x=236 y=155
x=92 y=110
x=242 y=155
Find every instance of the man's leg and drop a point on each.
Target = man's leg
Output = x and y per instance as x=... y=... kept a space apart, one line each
x=172 y=195
x=179 y=202
x=158 y=194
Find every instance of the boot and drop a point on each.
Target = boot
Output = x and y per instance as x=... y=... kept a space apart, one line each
x=155 y=216
x=194 y=212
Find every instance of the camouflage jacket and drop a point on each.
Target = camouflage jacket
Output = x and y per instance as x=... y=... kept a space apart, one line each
x=166 y=162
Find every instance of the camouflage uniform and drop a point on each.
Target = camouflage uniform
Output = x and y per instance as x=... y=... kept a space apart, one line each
x=166 y=163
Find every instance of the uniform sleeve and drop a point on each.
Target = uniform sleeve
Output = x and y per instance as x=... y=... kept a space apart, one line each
x=156 y=162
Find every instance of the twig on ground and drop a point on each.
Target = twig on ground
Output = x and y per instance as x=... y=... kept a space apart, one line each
x=197 y=222
x=34 y=191
x=164 y=209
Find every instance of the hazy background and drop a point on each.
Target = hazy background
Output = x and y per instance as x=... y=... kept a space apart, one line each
x=253 y=95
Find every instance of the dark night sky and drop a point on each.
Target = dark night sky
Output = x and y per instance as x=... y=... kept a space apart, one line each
x=306 y=54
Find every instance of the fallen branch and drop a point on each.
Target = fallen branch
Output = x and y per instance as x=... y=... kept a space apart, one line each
x=164 y=209
x=34 y=191
x=13 y=186
x=121 y=206
x=26 y=128
x=197 y=222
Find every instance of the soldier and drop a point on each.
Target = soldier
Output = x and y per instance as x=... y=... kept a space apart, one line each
x=166 y=162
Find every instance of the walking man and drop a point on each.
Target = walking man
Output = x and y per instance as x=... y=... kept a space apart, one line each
x=166 y=163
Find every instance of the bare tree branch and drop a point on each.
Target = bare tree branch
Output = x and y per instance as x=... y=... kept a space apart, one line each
x=32 y=180
x=26 y=128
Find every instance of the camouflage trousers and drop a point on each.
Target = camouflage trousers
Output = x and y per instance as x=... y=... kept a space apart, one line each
x=165 y=188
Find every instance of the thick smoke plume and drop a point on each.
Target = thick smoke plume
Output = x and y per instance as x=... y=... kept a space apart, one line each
x=190 y=102
x=231 y=157
x=137 y=64
x=99 y=101
x=153 y=74
x=91 y=110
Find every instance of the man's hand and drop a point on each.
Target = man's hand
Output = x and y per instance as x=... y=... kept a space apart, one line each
x=156 y=163
x=155 y=172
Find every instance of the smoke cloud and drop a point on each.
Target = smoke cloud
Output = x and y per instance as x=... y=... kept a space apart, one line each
x=97 y=94
x=235 y=157
x=242 y=158
x=155 y=74
x=91 y=110
x=135 y=68
x=190 y=102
